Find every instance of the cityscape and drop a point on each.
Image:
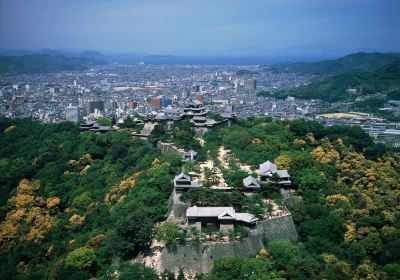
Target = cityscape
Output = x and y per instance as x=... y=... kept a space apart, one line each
x=125 y=90
x=162 y=92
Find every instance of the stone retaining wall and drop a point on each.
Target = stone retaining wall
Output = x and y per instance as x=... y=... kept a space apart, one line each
x=195 y=259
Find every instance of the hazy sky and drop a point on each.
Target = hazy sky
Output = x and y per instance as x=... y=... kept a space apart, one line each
x=219 y=26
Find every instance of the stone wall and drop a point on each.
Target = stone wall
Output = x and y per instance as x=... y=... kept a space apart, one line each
x=287 y=198
x=195 y=259
x=166 y=147
x=177 y=208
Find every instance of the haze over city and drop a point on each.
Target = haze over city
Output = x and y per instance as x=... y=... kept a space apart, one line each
x=286 y=27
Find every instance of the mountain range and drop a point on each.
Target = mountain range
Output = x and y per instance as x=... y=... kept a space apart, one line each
x=88 y=54
x=30 y=64
x=357 y=62
x=365 y=73
x=348 y=86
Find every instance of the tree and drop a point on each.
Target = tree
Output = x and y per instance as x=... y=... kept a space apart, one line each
x=135 y=229
x=208 y=178
x=82 y=201
x=238 y=138
x=392 y=270
x=81 y=258
x=119 y=151
x=167 y=275
x=137 y=271
x=104 y=122
x=258 y=269
x=312 y=179
x=181 y=275
x=227 y=268
x=169 y=233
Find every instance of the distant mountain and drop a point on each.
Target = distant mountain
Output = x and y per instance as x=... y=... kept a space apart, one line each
x=93 y=55
x=42 y=64
x=349 y=86
x=357 y=62
x=52 y=52
x=126 y=58
x=158 y=56
x=15 y=52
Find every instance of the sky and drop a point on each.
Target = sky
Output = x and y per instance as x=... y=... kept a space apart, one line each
x=271 y=27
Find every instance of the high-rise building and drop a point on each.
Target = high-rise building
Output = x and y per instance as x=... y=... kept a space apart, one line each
x=200 y=97
x=184 y=94
x=165 y=101
x=90 y=106
x=156 y=102
x=110 y=106
x=132 y=105
x=250 y=84
x=72 y=114
x=229 y=108
x=195 y=88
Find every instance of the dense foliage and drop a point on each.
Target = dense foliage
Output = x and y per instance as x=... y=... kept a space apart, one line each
x=73 y=204
x=340 y=87
x=346 y=203
x=78 y=205
x=357 y=62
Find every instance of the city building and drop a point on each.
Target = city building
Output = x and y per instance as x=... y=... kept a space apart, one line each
x=200 y=97
x=165 y=101
x=250 y=84
x=91 y=106
x=132 y=105
x=390 y=136
x=72 y=114
x=195 y=88
x=110 y=106
x=155 y=102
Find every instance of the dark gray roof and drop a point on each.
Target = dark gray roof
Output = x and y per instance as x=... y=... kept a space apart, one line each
x=268 y=167
x=208 y=211
x=182 y=176
x=222 y=213
x=246 y=217
x=251 y=182
x=190 y=152
x=199 y=118
x=283 y=173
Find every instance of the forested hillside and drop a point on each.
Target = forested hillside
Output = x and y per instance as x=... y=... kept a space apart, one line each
x=80 y=205
x=74 y=203
x=346 y=202
x=350 y=85
x=357 y=62
x=30 y=64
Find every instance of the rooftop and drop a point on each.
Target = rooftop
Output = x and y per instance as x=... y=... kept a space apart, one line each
x=222 y=213
x=268 y=167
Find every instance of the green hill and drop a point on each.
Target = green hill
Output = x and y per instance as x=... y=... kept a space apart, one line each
x=31 y=64
x=357 y=62
x=78 y=205
x=349 y=86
